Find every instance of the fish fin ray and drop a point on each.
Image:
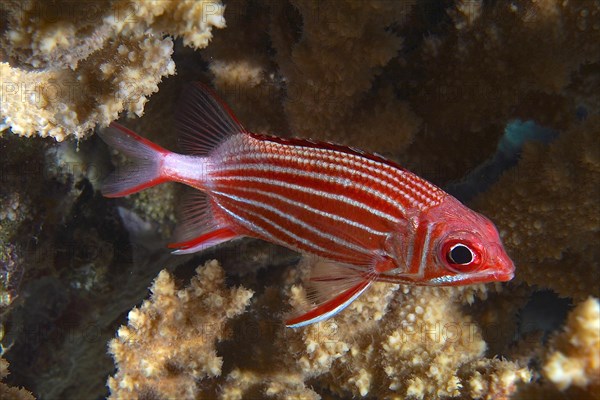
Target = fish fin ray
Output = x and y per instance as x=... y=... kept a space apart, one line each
x=209 y=238
x=195 y=216
x=332 y=287
x=203 y=120
x=144 y=168
x=329 y=278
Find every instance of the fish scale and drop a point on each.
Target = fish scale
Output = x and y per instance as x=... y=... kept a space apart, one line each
x=323 y=179
x=410 y=189
x=365 y=218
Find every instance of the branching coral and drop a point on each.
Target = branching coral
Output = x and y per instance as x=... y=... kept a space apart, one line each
x=408 y=343
x=74 y=65
x=169 y=344
x=330 y=69
x=244 y=73
x=575 y=358
x=554 y=187
x=307 y=87
x=498 y=61
x=430 y=83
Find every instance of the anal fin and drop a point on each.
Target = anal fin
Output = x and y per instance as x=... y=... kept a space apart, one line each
x=204 y=241
x=199 y=228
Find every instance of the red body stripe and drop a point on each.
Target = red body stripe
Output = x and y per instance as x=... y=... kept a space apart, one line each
x=337 y=204
x=360 y=161
x=310 y=241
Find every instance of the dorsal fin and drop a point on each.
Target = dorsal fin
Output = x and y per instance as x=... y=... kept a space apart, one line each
x=203 y=120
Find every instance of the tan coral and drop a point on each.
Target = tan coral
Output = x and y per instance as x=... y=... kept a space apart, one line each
x=390 y=343
x=68 y=74
x=242 y=71
x=63 y=33
x=547 y=211
x=502 y=60
x=168 y=347
x=330 y=70
x=11 y=393
x=393 y=342
x=305 y=76
x=59 y=103
x=575 y=358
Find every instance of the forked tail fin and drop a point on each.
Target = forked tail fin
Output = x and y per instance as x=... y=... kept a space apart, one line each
x=144 y=169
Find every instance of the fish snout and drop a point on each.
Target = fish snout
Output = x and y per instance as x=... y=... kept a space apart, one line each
x=503 y=265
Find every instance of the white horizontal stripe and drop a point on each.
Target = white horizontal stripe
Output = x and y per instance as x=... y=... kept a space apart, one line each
x=335 y=166
x=440 y=280
x=322 y=213
x=324 y=178
x=311 y=191
x=253 y=227
x=430 y=193
x=296 y=221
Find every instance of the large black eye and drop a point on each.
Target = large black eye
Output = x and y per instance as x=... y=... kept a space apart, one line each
x=460 y=254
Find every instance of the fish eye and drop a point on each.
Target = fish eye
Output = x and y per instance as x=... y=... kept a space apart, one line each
x=460 y=254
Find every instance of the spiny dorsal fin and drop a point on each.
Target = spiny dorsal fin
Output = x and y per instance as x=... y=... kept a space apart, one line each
x=203 y=120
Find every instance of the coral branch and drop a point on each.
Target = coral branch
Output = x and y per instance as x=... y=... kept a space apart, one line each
x=168 y=346
x=88 y=61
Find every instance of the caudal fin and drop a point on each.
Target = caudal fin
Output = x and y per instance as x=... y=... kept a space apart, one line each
x=144 y=169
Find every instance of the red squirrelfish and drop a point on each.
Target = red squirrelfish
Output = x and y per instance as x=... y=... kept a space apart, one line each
x=365 y=218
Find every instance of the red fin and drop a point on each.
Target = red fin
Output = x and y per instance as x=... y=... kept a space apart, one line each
x=334 y=286
x=195 y=216
x=144 y=170
x=204 y=241
x=203 y=120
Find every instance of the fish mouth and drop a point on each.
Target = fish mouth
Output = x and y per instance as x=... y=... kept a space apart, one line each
x=504 y=276
x=505 y=268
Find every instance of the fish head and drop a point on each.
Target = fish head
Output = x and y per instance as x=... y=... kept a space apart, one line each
x=464 y=248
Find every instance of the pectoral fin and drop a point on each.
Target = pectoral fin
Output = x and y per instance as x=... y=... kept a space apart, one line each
x=334 y=286
x=329 y=308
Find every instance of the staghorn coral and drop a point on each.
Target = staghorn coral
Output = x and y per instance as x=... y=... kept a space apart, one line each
x=243 y=72
x=63 y=33
x=554 y=186
x=169 y=343
x=306 y=70
x=74 y=65
x=575 y=355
